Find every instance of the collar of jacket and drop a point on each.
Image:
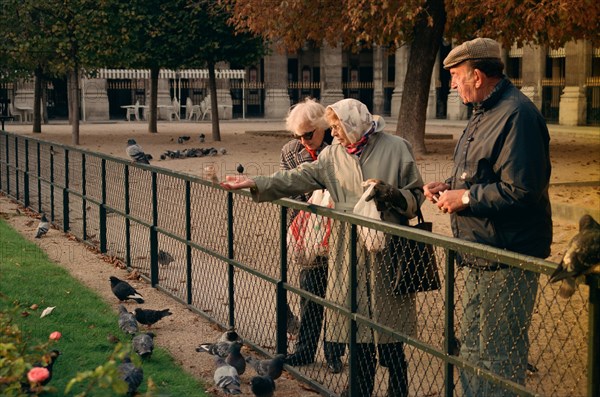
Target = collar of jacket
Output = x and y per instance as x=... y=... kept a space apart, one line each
x=493 y=96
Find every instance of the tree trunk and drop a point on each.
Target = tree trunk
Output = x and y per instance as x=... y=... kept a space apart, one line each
x=423 y=50
x=37 y=99
x=73 y=84
x=214 y=103
x=153 y=106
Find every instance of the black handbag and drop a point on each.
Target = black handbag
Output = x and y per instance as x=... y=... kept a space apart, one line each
x=413 y=264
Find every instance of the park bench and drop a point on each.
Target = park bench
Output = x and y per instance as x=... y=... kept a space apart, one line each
x=4 y=111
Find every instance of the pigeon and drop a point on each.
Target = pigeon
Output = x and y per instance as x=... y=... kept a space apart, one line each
x=262 y=386
x=149 y=316
x=222 y=151
x=221 y=347
x=201 y=138
x=226 y=377
x=127 y=321
x=43 y=227
x=293 y=324
x=164 y=258
x=143 y=344
x=240 y=168
x=183 y=138
x=135 y=152
x=582 y=256
x=235 y=358
x=49 y=360
x=124 y=291
x=131 y=374
x=270 y=367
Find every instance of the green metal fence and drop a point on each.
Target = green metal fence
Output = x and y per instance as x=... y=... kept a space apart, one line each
x=230 y=265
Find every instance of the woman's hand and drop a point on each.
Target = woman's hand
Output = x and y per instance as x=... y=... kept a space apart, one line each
x=236 y=182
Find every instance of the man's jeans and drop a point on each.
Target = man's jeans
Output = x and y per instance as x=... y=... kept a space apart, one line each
x=497 y=312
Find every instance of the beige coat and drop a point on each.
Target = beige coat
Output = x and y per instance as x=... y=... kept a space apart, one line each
x=390 y=159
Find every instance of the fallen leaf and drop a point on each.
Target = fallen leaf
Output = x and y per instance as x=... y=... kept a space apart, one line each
x=47 y=311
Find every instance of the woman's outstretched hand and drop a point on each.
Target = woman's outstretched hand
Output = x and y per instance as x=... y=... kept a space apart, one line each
x=236 y=182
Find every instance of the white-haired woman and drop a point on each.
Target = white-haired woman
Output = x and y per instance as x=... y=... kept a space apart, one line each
x=362 y=151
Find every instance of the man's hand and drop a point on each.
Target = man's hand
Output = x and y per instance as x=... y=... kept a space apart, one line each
x=451 y=201
x=236 y=182
x=433 y=190
x=386 y=196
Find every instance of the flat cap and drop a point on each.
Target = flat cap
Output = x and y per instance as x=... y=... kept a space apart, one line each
x=480 y=48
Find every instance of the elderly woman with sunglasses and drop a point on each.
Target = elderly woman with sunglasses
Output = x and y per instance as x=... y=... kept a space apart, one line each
x=362 y=151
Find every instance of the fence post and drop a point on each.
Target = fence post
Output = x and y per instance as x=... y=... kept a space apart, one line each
x=281 y=300
x=83 y=198
x=593 y=280
x=7 y=165
x=127 y=221
x=52 y=183
x=102 y=214
x=39 y=177
x=354 y=387
x=230 y=255
x=66 y=194
x=17 y=168
x=188 y=239
x=450 y=339
x=154 y=234
x=26 y=176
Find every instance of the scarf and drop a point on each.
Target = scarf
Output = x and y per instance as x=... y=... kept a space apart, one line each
x=357 y=147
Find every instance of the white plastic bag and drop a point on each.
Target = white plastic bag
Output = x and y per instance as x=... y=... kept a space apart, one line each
x=373 y=240
x=308 y=234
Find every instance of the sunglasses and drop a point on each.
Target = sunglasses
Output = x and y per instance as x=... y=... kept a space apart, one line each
x=307 y=136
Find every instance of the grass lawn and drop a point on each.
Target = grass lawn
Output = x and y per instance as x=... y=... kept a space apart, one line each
x=28 y=277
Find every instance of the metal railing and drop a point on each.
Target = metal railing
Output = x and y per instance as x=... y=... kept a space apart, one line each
x=231 y=266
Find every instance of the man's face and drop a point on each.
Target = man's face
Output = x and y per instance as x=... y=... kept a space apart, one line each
x=310 y=136
x=466 y=81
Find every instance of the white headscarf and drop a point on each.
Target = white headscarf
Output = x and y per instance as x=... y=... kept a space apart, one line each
x=356 y=118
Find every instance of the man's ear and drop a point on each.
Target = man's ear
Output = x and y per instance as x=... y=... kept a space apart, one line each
x=479 y=76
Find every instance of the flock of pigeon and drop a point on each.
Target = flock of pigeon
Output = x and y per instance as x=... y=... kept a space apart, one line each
x=142 y=343
x=230 y=363
x=137 y=154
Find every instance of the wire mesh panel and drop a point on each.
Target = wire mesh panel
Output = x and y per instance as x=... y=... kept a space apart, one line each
x=376 y=334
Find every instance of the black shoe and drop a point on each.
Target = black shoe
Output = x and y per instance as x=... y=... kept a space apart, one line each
x=335 y=366
x=298 y=359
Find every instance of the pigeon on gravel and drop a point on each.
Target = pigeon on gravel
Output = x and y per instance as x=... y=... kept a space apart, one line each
x=201 y=137
x=124 y=291
x=240 y=168
x=221 y=347
x=131 y=374
x=127 y=321
x=183 y=138
x=582 y=256
x=143 y=344
x=164 y=258
x=149 y=317
x=235 y=358
x=262 y=386
x=270 y=367
x=135 y=152
x=43 y=227
x=226 y=377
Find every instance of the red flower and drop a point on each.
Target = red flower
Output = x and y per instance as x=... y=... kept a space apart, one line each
x=38 y=374
x=55 y=335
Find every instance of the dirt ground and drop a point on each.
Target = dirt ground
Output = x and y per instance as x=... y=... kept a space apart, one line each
x=573 y=160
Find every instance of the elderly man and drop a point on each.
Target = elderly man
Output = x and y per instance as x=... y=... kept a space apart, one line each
x=497 y=195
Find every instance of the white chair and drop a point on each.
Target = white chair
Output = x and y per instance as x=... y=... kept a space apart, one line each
x=191 y=109
x=205 y=107
x=134 y=111
x=15 y=113
x=173 y=110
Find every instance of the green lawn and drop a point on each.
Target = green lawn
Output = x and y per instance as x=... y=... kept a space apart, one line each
x=28 y=277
